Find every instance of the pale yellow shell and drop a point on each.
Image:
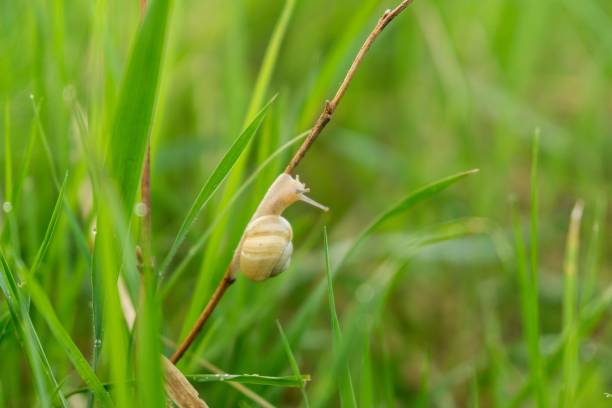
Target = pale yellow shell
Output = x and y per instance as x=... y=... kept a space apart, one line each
x=266 y=248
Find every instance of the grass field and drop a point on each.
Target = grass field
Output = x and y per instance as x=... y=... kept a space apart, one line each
x=425 y=285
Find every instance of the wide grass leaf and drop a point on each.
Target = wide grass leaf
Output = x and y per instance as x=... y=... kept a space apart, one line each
x=137 y=95
x=125 y=156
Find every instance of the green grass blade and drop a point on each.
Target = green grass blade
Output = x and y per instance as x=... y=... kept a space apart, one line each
x=594 y=253
x=45 y=308
x=108 y=256
x=137 y=95
x=295 y=368
x=347 y=393
x=44 y=140
x=307 y=310
x=335 y=65
x=6 y=326
x=530 y=325
x=214 y=181
x=254 y=379
x=8 y=161
x=125 y=156
x=366 y=383
x=25 y=167
x=407 y=203
x=570 y=301
x=540 y=384
x=269 y=62
x=51 y=227
x=24 y=328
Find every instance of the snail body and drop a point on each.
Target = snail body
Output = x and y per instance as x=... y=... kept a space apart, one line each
x=265 y=249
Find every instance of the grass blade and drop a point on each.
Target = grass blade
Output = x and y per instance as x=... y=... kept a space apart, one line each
x=404 y=205
x=570 y=301
x=45 y=308
x=216 y=178
x=255 y=379
x=308 y=309
x=50 y=232
x=137 y=95
x=594 y=252
x=8 y=162
x=528 y=286
x=347 y=393
x=335 y=61
x=269 y=62
x=125 y=157
x=540 y=384
x=25 y=330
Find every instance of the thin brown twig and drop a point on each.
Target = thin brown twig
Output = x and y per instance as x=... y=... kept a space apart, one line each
x=330 y=106
x=320 y=124
x=226 y=282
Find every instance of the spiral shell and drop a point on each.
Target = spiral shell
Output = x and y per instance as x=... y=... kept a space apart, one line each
x=266 y=248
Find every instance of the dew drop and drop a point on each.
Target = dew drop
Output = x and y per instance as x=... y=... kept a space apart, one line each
x=140 y=209
x=7 y=207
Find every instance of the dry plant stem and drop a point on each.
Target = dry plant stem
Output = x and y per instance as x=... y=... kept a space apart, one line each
x=322 y=121
x=225 y=283
x=330 y=106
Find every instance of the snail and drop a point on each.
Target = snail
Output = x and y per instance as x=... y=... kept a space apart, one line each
x=265 y=249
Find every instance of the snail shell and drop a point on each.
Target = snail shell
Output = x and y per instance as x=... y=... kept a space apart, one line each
x=266 y=248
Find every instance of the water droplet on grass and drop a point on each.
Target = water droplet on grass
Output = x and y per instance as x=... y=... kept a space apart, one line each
x=140 y=209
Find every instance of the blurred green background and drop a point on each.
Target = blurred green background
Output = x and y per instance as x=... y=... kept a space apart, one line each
x=430 y=305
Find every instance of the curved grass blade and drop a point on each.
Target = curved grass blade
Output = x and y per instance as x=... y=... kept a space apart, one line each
x=254 y=379
x=308 y=309
x=214 y=181
x=74 y=354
